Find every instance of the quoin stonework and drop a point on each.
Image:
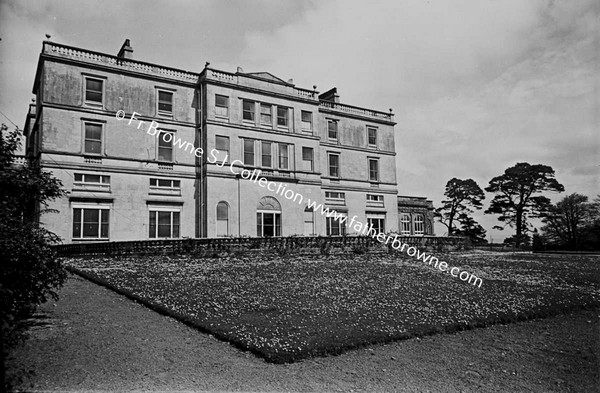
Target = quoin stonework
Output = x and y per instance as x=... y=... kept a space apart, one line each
x=126 y=185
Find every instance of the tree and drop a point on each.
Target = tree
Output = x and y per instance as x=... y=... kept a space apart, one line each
x=564 y=221
x=471 y=229
x=516 y=195
x=30 y=271
x=573 y=223
x=462 y=196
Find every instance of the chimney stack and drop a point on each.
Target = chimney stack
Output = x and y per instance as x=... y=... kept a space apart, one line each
x=126 y=51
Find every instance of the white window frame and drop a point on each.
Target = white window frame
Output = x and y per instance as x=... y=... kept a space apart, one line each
x=339 y=161
x=375 y=200
x=85 y=122
x=160 y=112
x=90 y=103
x=244 y=140
x=337 y=131
x=405 y=224
x=341 y=226
x=268 y=124
x=85 y=184
x=310 y=230
x=284 y=147
x=369 y=144
x=173 y=189
x=217 y=219
x=418 y=225
x=306 y=126
x=90 y=206
x=335 y=197
x=376 y=216
x=286 y=117
x=224 y=115
x=156 y=209
x=311 y=161
x=369 y=160
x=159 y=137
x=253 y=112
x=263 y=155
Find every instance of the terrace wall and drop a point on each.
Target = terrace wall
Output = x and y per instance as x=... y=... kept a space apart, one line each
x=298 y=245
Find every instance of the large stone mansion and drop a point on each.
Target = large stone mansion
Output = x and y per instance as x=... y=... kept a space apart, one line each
x=124 y=184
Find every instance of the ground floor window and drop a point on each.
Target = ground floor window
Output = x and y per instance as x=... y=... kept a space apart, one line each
x=268 y=224
x=90 y=222
x=309 y=222
x=419 y=224
x=164 y=224
x=405 y=224
x=336 y=226
x=377 y=223
x=222 y=219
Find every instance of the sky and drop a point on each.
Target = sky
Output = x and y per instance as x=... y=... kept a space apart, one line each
x=476 y=86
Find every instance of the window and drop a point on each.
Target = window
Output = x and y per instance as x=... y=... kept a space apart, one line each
x=374 y=200
x=372 y=136
x=93 y=139
x=164 y=224
x=248 y=152
x=373 y=169
x=336 y=226
x=221 y=105
x=335 y=197
x=266 y=155
x=405 y=224
x=376 y=222
x=332 y=130
x=306 y=121
x=90 y=223
x=307 y=158
x=419 y=224
x=92 y=181
x=222 y=219
x=248 y=110
x=165 y=103
x=309 y=221
x=222 y=147
x=282 y=116
x=284 y=156
x=266 y=117
x=93 y=91
x=268 y=224
x=165 y=146
x=268 y=217
x=165 y=184
x=334 y=165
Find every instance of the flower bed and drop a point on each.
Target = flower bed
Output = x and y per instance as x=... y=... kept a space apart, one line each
x=286 y=309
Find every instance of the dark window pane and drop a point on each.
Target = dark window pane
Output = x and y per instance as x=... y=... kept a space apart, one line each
x=248 y=110
x=222 y=143
x=248 y=152
x=92 y=178
x=78 y=177
x=282 y=116
x=165 y=101
x=307 y=153
x=152 y=225
x=76 y=222
x=222 y=211
x=221 y=101
x=93 y=90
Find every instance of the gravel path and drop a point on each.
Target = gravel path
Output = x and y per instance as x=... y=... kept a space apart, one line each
x=98 y=340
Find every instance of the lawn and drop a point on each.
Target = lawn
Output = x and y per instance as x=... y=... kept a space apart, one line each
x=289 y=308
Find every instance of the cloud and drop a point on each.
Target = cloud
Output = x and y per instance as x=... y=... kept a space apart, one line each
x=476 y=86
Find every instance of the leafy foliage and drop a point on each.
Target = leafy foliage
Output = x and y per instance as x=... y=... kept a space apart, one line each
x=572 y=223
x=30 y=272
x=517 y=195
x=471 y=229
x=462 y=196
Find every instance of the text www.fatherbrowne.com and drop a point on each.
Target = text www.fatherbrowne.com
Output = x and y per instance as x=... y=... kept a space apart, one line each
x=236 y=167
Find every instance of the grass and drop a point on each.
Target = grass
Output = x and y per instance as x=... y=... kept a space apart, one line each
x=285 y=309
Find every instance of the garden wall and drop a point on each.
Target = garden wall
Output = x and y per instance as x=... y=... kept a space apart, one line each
x=285 y=245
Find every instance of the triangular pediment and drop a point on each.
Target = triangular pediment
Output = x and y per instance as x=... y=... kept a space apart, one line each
x=267 y=76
